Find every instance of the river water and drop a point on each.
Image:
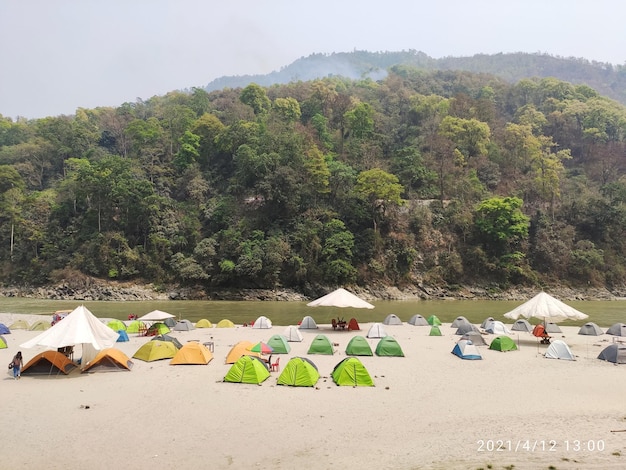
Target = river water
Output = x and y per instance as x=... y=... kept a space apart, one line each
x=604 y=313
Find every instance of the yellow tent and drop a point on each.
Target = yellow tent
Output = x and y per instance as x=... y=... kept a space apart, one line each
x=242 y=348
x=156 y=350
x=109 y=359
x=192 y=353
x=204 y=323
x=19 y=325
x=225 y=323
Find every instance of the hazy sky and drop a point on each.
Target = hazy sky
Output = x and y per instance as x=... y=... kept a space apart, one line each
x=58 y=55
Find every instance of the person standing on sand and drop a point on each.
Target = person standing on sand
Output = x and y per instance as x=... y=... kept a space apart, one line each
x=17 y=365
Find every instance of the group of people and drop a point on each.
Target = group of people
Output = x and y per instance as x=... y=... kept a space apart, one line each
x=16 y=364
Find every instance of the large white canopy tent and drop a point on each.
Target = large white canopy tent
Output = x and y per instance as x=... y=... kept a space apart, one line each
x=156 y=315
x=546 y=308
x=79 y=327
x=340 y=298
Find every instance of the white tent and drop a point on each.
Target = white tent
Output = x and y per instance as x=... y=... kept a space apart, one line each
x=340 y=298
x=262 y=322
x=155 y=315
x=308 y=323
x=547 y=308
x=376 y=331
x=497 y=328
x=292 y=334
x=79 y=327
x=559 y=350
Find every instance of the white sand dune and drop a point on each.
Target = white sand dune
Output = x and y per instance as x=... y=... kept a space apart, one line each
x=428 y=410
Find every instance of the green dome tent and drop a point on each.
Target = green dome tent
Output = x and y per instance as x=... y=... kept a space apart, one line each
x=279 y=344
x=321 y=345
x=158 y=329
x=135 y=326
x=352 y=372
x=358 y=346
x=39 y=325
x=388 y=346
x=247 y=370
x=503 y=343
x=299 y=372
x=435 y=331
x=19 y=325
x=433 y=320
x=3 y=343
x=117 y=325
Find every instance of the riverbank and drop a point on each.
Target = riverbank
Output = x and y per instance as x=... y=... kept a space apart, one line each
x=428 y=410
x=99 y=290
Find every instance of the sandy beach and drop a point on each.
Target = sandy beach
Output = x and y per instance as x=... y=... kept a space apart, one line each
x=428 y=410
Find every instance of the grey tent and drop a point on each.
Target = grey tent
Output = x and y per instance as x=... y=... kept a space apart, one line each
x=466 y=328
x=392 y=319
x=170 y=322
x=618 y=329
x=590 y=329
x=485 y=321
x=308 y=323
x=615 y=353
x=169 y=338
x=184 y=325
x=522 y=325
x=476 y=338
x=418 y=320
x=458 y=321
x=552 y=328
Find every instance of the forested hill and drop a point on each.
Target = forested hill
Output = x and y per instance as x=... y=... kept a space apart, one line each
x=422 y=178
x=607 y=79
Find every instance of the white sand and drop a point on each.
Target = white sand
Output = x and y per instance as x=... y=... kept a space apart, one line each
x=428 y=410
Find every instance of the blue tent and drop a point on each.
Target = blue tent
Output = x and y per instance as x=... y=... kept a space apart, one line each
x=466 y=350
x=123 y=337
x=4 y=330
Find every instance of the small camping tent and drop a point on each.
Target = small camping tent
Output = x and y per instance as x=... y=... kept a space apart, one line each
x=417 y=320
x=48 y=363
x=458 y=321
x=204 y=323
x=158 y=328
x=109 y=359
x=435 y=331
x=117 y=325
x=618 y=329
x=433 y=320
x=465 y=349
x=615 y=353
x=248 y=370
x=351 y=372
x=321 y=345
x=388 y=346
x=496 y=328
x=225 y=323
x=299 y=372
x=192 y=353
x=552 y=327
x=358 y=346
x=353 y=325
x=184 y=325
x=168 y=338
x=308 y=323
x=503 y=343
x=292 y=334
x=522 y=325
x=4 y=330
x=170 y=322
x=242 y=348
x=156 y=351
x=476 y=338
x=40 y=325
x=376 y=331
x=279 y=344
x=123 y=337
x=466 y=328
x=590 y=329
x=392 y=319
x=19 y=325
x=3 y=343
x=559 y=350
x=136 y=326
x=262 y=323
x=485 y=321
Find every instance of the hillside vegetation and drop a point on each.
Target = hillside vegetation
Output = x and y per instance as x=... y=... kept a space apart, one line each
x=424 y=177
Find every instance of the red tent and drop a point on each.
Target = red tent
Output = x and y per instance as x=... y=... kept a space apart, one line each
x=353 y=324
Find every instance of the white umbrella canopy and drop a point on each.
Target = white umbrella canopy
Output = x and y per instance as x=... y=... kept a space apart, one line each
x=547 y=308
x=156 y=315
x=340 y=298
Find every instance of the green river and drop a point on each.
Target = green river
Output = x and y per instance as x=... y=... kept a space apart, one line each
x=604 y=313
